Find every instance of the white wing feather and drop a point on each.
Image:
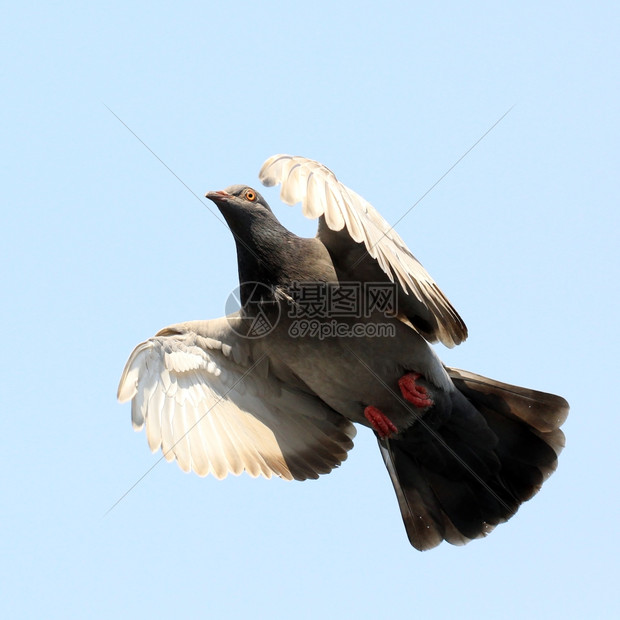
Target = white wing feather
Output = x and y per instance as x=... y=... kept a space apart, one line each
x=321 y=194
x=216 y=416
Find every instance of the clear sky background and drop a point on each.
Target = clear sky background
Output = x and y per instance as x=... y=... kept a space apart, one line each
x=102 y=246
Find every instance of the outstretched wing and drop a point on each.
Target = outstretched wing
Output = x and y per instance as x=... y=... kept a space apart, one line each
x=207 y=404
x=364 y=245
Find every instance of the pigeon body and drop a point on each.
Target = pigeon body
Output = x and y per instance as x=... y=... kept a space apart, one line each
x=328 y=367
x=463 y=451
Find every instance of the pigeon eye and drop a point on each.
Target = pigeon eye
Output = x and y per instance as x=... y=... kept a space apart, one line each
x=250 y=195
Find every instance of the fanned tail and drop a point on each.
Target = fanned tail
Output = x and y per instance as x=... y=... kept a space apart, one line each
x=459 y=477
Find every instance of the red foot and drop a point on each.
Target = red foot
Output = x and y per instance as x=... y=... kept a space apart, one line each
x=412 y=392
x=380 y=422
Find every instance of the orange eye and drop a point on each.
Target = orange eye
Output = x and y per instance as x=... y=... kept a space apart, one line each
x=250 y=195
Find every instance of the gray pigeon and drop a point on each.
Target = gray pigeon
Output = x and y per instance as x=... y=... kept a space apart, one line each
x=332 y=331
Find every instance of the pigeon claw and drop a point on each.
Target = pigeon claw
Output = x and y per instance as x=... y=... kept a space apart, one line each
x=380 y=422
x=415 y=394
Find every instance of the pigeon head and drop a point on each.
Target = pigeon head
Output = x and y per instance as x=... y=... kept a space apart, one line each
x=247 y=214
x=238 y=198
x=264 y=248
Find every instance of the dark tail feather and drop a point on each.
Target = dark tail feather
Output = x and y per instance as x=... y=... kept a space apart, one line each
x=458 y=477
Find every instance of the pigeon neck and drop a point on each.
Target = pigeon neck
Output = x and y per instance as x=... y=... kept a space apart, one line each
x=264 y=250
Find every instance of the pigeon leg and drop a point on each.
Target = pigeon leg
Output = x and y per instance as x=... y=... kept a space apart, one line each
x=380 y=422
x=412 y=392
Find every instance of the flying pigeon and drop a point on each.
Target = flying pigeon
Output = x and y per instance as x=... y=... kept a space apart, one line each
x=330 y=332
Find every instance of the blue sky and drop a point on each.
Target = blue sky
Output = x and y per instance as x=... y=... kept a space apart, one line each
x=103 y=246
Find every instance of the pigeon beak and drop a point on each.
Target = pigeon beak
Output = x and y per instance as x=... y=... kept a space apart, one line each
x=218 y=197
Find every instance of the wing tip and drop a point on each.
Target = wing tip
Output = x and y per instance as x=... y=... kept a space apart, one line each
x=128 y=384
x=267 y=178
